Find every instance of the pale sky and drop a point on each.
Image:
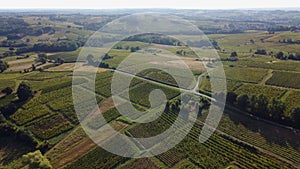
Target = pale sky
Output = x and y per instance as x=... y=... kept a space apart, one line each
x=187 y=4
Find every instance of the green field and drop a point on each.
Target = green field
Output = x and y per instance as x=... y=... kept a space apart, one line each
x=285 y=79
x=254 y=89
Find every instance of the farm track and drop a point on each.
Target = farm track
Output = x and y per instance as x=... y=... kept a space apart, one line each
x=267 y=77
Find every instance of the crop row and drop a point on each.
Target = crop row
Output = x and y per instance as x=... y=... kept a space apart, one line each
x=23 y=116
x=40 y=76
x=97 y=158
x=253 y=89
x=164 y=77
x=231 y=85
x=277 y=140
x=51 y=126
x=109 y=115
x=252 y=75
x=140 y=93
x=141 y=163
x=285 y=79
x=292 y=100
x=216 y=152
x=171 y=157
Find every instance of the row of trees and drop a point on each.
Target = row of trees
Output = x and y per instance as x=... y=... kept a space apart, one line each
x=261 y=106
x=280 y=55
x=154 y=38
x=47 y=47
x=3 y=66
x=289 y=41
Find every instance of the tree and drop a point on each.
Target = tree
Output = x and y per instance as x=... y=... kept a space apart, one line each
x=296 y=116
x=215 y=44
x=276 y=109
x=261 y=105
x=3 y=66
x=24 y=92
x=242 y=101
x=33 y=67
x=90 y=59
x=7 y=91
x=167 y=108
x=36 y=160
x=132 y=49
x=261 y=52
x=233 y=54
x=280 y=55
x=231 y=97
x=42 y=57
x=60 y=61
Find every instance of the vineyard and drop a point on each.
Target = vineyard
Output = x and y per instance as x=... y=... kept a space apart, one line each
x=140 y=163
x=164 y=77
x=258 y=51
x=51 y=113
x=140 y=93
x=253 y=89
x=22 y=116
x=251 y=75
x=212 y=152
x=51 y=126
x=97 y=158
x=274 y=139
x=206 y=86
x=292 y=100
x=285 y=79
x=264 y=62
x=40 y=76
x=109 y=115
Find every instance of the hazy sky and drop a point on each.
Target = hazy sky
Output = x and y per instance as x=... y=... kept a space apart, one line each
x=189 y=4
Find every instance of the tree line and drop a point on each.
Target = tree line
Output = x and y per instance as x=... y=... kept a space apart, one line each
x=59 y=46
x=261 y=106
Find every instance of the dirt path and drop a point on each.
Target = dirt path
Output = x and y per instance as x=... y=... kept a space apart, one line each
x=266 y=77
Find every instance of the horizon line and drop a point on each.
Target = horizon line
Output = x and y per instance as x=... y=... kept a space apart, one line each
x=138 y=8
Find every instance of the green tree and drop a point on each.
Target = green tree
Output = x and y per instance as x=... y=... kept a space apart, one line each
x=35 y=160
x=42 y=57
x=276 y=109
x=33 y=67
x=132 y=49
x=296 y=116
x=234 y=54
x=260 y=105
x=24 y=92
x=167 y=108
x=90 y=59
x=280 y=55
x=3 y=66
x=231 y=97
x=242 y=101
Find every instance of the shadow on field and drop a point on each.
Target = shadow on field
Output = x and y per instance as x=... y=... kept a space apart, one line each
x=12 y=149
x=261 y=130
